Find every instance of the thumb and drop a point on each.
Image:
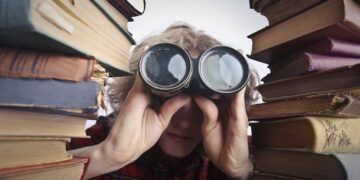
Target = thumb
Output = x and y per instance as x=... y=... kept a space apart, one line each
x=169 y=108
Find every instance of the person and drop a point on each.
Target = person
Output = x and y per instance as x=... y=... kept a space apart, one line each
x=184 y=137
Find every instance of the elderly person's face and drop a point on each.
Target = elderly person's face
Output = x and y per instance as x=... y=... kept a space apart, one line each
x=183 y=133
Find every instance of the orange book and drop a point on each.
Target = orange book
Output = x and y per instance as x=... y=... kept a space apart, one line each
x=15 y=62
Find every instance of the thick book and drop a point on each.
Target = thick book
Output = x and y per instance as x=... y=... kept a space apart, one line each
x=61 y=26
x=309 y=62
x=112 y=13
x=31 y=123
x=78 y=98
x=24 y=151
x=280 y=164
x=278 y=10
x=129 y=8
x=18 y=62
x=323 y=105
x=325 y=46
x=343 y=79
x=334 y=18
x=72 y=169
x=320 y=134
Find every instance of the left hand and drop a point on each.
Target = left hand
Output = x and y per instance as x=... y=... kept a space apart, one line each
x=224 y=131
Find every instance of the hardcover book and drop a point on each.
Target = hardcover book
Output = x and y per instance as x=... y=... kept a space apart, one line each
x=16 y=62
x=62 y=27
x=80 y=98
x=323 y=105
x=72 y=169
x=280 y=164
x=344 y=79
x=24 y=151
x=31 y=123
x=129 y=8
x=309 y=62
x=326 y=46
x=319 y=134
x=334 y=18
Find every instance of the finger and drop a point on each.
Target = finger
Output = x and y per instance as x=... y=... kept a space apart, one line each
x=138 y=96
x=169 y=108
x=238 y=106
x=210 y=113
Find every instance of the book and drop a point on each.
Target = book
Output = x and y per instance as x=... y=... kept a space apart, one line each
x=325 y=46
x=318 y=134
x=303 y=165
x=280 y=10
x=320 y=105
x=129 y=8
x=23 y=151
x=309 y=62
x=31 y=123
x=343 y=79
x=72 y=169
x=80 y=98
x=334 y=18
x=112 y=13
x=22 y=63
x=52 y=26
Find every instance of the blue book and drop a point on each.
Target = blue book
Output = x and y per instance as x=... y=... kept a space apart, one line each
x=78 y=98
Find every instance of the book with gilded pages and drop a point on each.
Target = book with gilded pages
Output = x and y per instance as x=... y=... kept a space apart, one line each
x=319 y=134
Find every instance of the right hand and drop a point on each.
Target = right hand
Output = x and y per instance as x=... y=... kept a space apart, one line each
x=138 y=126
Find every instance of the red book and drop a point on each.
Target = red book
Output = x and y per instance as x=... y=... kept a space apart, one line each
x=309 y=62
x=325 y=46
x=69 y=169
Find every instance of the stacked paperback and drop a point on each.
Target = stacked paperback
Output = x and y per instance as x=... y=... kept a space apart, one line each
x=307 y=127
x=52 y=59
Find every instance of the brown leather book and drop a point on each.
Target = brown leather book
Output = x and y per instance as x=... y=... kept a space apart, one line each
x=291 y=165
x=344 y=79
x=278 y=10
x=334 y=18
x=15 y=62
x=320 y=134
x=324 y=105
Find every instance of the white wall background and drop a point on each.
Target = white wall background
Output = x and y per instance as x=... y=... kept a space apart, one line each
x=230 y=21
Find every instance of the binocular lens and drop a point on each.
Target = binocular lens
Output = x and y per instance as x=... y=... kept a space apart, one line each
x=222 y=71
x=164 y=67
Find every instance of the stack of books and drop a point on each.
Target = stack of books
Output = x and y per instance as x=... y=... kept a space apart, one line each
x=307 y=126
x=52 y=56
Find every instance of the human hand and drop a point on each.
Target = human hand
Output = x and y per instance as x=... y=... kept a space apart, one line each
x=138 y=126
x=224 y=132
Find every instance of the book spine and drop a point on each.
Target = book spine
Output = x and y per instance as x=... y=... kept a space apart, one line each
x=319 y=62
x=48 y=93
x=336 y=135
x=337 y=47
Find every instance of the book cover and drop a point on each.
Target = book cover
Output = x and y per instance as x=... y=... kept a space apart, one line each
x=318 y=134
x=77 y=97
x=51 y=26
x=303 y=165
x=334 y=18
x=326 y=46
x=129 y=8
x=72 y=169
x=320 y=105
x=17 y=62
x=309 y=62
x=28 y=122
x=342 y=79
x=283 y=9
